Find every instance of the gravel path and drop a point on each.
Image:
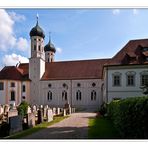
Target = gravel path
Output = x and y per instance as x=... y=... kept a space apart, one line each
x=74 y=127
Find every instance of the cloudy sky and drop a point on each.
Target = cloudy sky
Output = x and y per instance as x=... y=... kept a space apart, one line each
x=76 y=33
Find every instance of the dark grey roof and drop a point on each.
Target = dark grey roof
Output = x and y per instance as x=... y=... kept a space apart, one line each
x=37 y=31
x=49 y=47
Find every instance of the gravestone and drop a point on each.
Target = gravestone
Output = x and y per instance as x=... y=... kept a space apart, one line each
x=34 y=108
x=12 y=113
x=1 y=109
x=58 y=111
x=54 y=111
x=45 y=111
x=40 y=116
x=6 y=108
x=49 y=115
x=29 y=110
x=69 y=110
x=15 y=124
x=64 y=112
x=31 y=119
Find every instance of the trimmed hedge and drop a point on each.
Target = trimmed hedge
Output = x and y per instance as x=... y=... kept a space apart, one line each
x=130 y=117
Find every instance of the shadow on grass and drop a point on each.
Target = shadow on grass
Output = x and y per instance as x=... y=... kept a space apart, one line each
x=102 y=128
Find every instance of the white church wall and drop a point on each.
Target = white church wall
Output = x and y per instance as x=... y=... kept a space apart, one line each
x=71 y=88
x=124 y=91
x=3 y=92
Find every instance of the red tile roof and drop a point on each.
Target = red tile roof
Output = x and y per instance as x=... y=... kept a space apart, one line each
x=85 y=69
x=131 y=53
x=15 y=73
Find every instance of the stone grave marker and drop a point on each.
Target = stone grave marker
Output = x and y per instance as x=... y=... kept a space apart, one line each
x=15 y=123
x=49 y=115
x=31 y=119
x=40 y=116
x=1 y=109
x=29 y=110
x=58 y=111
x=64 y=112
x=45 y=112
x=54 y=111
x=12 y=113
x=6 y=108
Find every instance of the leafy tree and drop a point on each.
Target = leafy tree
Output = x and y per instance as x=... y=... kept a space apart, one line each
x=22 y=108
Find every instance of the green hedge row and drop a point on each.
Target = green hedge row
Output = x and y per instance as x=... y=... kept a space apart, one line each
x=130 y=117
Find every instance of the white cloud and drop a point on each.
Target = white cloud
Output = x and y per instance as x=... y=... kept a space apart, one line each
x=59 y=50
x=116 y=11
x=135 y=11
x=22 y=44
x=17 y=17
x=8 y=39
x=13 y=59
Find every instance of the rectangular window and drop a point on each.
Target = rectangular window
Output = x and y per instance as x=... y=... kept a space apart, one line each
x=12 y=84
x=1 y=86
x=130 y=80
x=39 y=47
x=12 y=96
x=144 y=80
x=24 y=88
x=34 y=47
x=116 y=80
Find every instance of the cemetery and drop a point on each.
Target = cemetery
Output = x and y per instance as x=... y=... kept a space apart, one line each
x=14 y=119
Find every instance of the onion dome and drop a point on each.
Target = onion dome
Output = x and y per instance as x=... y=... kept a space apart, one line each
x=50 y=47
x=37 y=31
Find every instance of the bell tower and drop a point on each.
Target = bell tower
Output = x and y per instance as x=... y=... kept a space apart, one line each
x=49 y=51
x=37 y=42
x=36 y=61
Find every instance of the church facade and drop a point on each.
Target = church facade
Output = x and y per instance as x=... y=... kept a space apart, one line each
x=82 y=84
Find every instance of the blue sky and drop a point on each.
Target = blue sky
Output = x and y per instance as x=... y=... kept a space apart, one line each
x=76 y=33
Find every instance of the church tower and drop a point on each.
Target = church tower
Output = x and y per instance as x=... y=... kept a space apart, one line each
x=49 y=51
x=36 y=61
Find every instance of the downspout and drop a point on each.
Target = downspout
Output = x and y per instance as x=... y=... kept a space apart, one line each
x=107 y=85
x=71 y=91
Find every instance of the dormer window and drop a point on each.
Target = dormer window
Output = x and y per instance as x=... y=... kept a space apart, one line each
x=146 y=59
x=145 y=48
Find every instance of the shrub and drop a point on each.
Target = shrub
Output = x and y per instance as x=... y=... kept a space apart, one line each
x=22 y=108
x=130 y=116
x=103 y=109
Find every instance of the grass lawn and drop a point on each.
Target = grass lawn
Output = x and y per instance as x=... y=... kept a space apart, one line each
x=102 y=128
x=36 y=128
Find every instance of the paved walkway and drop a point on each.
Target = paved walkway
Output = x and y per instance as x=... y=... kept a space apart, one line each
x=74 y=127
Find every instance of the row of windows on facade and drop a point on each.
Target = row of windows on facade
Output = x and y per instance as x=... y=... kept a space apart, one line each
x=66 y=86
x=12 y=85
x=64 y=95
x=130 y=80
x=78 y=95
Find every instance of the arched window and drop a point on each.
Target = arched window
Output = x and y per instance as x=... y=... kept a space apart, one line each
x=78 y=95
x=12 y=95
x=64 y=95
x=93 y=95
x=49 y=96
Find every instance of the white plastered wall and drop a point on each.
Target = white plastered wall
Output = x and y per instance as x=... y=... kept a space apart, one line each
x=124 y=91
